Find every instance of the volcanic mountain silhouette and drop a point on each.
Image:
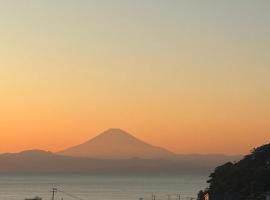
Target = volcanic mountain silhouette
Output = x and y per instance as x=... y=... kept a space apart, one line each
x=117 y=144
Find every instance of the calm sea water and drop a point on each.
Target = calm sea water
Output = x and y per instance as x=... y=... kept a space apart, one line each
x=18 y=186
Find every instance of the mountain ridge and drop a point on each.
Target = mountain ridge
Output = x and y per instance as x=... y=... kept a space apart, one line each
x=45 y=161
x=115 y=143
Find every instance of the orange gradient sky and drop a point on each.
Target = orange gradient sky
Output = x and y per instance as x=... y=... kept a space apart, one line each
x=191 y=76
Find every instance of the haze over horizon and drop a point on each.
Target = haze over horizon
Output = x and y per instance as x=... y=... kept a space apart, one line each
x=114 y=150
x=112 y=139
x=189 y=77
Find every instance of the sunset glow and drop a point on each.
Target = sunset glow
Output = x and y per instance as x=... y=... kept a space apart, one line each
x=176 y=75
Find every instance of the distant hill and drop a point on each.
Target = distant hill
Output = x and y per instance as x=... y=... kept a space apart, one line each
x=209 y=159
x=117 y=144
x=112 y=151
x=42 y=161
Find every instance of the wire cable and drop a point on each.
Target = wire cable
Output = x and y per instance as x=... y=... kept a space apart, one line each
x=70 y=195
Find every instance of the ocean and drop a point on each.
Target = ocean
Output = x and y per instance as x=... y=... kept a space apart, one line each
x=83 y=186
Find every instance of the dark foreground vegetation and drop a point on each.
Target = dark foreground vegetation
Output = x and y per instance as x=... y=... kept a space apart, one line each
x=247 y=179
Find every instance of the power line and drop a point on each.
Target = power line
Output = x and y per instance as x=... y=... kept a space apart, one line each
x=70 y=195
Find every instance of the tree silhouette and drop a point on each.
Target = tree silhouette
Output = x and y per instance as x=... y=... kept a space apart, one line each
x=248 y=178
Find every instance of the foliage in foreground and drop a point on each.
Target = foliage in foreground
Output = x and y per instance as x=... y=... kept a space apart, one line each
x=248 y=178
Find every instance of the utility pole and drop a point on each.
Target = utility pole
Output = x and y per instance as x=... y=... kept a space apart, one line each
x=178 y=196
x=54 y=190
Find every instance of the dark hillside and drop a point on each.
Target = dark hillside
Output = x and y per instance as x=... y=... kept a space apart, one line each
x=248 y=178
